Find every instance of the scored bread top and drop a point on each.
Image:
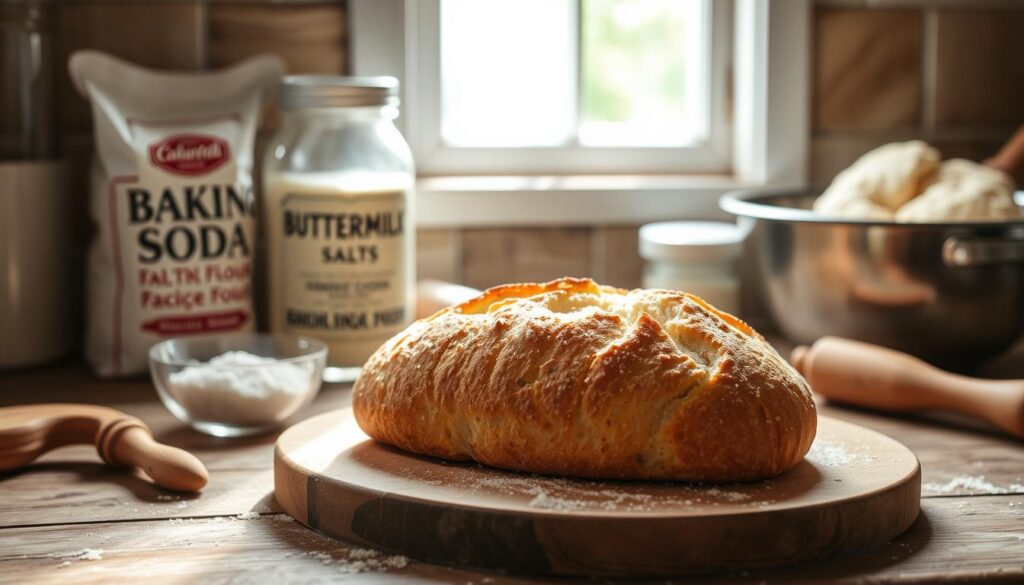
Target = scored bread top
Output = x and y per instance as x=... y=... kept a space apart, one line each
x=577 y=379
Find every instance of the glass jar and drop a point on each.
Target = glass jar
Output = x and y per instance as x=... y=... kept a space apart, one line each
x=700 y=258
x=26 y=92
x=338 y=217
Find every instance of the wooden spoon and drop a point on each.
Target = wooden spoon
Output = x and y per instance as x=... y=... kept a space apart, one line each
x=876 y=377
x=26 y=432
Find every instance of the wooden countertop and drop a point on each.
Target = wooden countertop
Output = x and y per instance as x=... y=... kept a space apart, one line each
x=69 y=507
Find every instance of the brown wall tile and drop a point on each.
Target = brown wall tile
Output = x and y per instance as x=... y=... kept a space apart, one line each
x=976 y=150
x=310 y=38
x=163 y=35
x=867 y=68
x=498 y=256
x=980 y=78
x=832 y=154
x=437 y=255
x=618 y=253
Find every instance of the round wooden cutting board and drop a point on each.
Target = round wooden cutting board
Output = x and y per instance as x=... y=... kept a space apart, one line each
x=856 y=489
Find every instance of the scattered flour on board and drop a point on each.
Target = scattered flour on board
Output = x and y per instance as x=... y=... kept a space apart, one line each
x=830 y=454
x=976 y=483
x=548 y=502
x=565 y=494
x=729 y=496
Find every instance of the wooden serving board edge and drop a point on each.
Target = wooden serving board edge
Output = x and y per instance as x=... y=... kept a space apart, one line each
x=564 y=543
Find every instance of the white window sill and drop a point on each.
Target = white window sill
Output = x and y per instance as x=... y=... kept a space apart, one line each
x=569 y=200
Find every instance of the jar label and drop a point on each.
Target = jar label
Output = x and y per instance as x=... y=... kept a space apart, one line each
x=342 y=267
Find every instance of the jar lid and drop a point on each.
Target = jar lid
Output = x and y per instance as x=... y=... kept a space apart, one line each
x=707 y=241
x=333 y=91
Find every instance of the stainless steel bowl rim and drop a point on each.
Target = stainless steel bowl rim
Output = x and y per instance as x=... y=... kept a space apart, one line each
x=745 y=203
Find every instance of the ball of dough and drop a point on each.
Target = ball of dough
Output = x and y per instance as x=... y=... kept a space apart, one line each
x=881 y=181
x=964 y=190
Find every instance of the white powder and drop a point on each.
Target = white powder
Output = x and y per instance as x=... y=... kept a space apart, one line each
x=240 y=388
x=546 y=501
x=85 y=554
x=728 y=496
x=830 y=454
x=359 y=560
x=250 y=515
x=574 y=495
x=976 y=483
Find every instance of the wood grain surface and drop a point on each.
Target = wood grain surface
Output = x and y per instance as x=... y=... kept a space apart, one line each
x=68 y=502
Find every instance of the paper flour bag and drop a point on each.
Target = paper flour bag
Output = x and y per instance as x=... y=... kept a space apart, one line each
x=172 y=201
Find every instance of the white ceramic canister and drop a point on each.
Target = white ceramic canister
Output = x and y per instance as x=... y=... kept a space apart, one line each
x=697 y=257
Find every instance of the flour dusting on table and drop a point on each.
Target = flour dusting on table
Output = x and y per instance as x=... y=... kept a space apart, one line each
x=85 y=554
x=975 y=483
x=358 y=560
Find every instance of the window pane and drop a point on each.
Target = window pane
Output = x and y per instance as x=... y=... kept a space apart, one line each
x=508 y=72
x=642 y=72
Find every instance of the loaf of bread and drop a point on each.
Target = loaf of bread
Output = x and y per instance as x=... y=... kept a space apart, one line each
x=576 y=379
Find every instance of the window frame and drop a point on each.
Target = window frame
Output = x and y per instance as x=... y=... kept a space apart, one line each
x=767 y=90
x=434 y=157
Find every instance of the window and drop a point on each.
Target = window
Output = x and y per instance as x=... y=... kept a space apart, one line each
x=526 y=112
x=571 y=86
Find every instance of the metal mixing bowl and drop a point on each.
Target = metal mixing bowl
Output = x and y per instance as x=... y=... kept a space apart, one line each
x=951 y=293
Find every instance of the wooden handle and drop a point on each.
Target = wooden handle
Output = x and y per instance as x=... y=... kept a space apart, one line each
x=876 y=377
x=26 y=432
x=1010 y=158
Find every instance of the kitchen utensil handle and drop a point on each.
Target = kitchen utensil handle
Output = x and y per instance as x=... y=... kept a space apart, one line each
x=1010 y=158
x=966 y=251
x=876 y=377
x=26 y=432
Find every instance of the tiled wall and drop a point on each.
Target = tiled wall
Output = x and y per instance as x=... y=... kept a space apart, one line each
x=181 y=35
x=188 y=35
x=483 y=257
x=948 y=71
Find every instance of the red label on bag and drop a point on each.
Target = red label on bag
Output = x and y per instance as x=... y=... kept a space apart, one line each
x=190 y=154
x=208 y=323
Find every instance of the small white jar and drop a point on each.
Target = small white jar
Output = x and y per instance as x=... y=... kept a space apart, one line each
x=697 y=257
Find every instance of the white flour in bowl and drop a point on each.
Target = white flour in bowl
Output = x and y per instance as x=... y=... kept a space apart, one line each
x=240 y=388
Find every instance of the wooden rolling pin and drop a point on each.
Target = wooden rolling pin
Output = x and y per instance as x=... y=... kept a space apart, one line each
x=26 y=432
x=876 y=377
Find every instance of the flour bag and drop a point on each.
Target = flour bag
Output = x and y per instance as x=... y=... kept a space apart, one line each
x=172 y=201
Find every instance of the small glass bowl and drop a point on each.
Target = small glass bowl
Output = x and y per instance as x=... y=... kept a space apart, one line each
x=232 y=399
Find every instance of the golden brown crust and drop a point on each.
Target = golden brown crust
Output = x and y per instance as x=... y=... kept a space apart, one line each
x=572 y=378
